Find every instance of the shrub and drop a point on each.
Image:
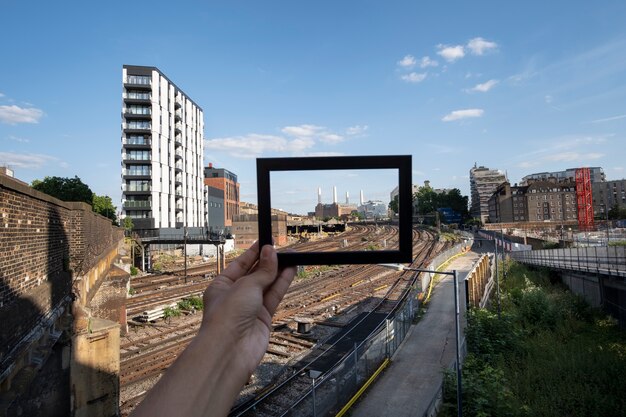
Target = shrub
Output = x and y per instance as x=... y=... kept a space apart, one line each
x=134 y=270
x=169 y=312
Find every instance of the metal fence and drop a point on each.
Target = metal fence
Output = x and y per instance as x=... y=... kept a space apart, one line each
x=608 y=260
x=330 y=392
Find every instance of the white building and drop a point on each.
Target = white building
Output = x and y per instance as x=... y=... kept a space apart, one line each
x=596 y=174
x=162 y=154
x=483 y=182
x=374 y=209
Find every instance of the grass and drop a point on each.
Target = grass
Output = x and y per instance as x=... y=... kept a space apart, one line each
x=549 y=354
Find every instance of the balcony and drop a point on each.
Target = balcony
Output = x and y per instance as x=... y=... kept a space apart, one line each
x=178 y=127
x=144 y=113
x=138 y=205
x=137 y=173
x=178 y=139
x=178 y=115
x=179 y=208
x=136 y=97
x=178 y=193
x=178 y=101
x=178 y=167
x=178 y=180
x=129 y=158
x=137 y=127
x=136 y=187
x=178 y=154
x=137 y=142
x=138 y=82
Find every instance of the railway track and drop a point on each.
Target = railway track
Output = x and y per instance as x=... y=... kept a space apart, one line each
x=315 y=299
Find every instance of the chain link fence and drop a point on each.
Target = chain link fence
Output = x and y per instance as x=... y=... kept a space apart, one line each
x=330 y=392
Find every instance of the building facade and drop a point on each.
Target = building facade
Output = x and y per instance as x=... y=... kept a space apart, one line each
x=226 y=181
x=541 y=201
x=596 y=173
x=483 y=183
x=607 y=195
x=162 y=152
x=246 y=229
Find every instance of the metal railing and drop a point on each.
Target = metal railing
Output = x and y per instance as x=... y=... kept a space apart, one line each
x=137 y=204
x=136 y=141
x=136 y=187
x=608 y=260
x=137 y=172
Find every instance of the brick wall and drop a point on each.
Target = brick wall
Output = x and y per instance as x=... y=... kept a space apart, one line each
x=42 y=239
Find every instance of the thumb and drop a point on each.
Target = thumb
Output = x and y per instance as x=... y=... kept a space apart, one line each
x=267 y=269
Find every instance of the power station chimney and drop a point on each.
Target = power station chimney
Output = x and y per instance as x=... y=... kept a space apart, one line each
x=362 y=200
x=334 y=195
x=347 y=198
x=319 y=195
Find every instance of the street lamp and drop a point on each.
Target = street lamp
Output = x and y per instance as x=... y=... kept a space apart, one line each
x=400 y=267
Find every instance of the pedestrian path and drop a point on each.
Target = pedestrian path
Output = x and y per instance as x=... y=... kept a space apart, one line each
x=409 y=384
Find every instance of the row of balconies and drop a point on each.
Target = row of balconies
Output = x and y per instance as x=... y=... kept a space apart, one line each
x=136 y=188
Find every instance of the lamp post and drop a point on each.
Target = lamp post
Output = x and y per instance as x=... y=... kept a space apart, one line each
x=459 y=391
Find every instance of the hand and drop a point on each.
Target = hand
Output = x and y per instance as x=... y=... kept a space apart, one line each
x=238 y=307
x=240 y=302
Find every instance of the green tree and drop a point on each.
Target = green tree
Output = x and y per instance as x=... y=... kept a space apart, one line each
x=393 y=205
x=103 y=205
x=455 y=201
x=66 y=189
x=617 y=212
x=127 y=223
x=427 y=200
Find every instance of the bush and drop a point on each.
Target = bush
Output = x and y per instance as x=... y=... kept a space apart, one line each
x=133 y=270
x=193 y=303
x=169 y=312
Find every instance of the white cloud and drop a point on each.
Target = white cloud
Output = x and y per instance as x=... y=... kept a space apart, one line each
x=619 y=169
x=25 y=160
x=414 y=77
x=462 y=114
x=15 y=114
x=356 y=130
x=331 y=138
x=302 y=130
x=526 y=164
x=253 y=145
x=548 y=99
x=478 y=46
x=451 y=53
x=484 y=87
x=18 y=139
x=609 y=119
x=426 y=62
x=407 y=62
x=1 y=95
x=311 y=132
x=295 y=140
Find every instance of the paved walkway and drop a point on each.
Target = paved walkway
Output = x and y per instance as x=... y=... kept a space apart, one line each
x=410 y=382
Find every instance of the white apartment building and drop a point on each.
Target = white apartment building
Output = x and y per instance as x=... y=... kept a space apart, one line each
x=162 y=155
x=483 y=182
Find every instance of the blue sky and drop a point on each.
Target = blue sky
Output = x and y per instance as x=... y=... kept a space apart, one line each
x=522 y=87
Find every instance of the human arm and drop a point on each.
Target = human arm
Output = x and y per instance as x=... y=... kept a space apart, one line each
x=234 y=335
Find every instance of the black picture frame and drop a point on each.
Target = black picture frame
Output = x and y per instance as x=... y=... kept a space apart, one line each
x=403 y=163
